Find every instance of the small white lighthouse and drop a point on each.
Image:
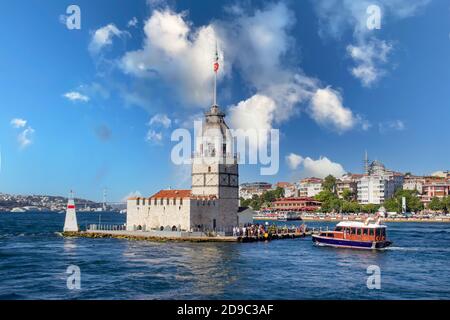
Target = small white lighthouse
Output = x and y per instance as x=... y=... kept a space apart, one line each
x=70 y=224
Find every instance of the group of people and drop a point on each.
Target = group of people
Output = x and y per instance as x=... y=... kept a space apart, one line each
x=249 y=230
x=259 y=230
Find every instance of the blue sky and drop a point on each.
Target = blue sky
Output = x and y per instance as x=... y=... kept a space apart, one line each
x=76 y=105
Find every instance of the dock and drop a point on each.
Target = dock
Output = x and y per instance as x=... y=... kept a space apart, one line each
x=157 y=236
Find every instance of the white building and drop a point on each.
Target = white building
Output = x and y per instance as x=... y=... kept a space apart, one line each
x=310 y=187
x=213 y=202
x=380 y=184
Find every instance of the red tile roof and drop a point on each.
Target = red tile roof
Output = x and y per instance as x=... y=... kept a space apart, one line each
x=172 y=194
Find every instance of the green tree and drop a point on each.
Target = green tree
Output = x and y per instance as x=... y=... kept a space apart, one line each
x=329 y=184
x=435 y=204
x=347 y=195
x=446 y=204
x=370 y=208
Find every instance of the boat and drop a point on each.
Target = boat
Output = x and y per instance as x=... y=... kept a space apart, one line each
x=289 y=216
x=354 y=234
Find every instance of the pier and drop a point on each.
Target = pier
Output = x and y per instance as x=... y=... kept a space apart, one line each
x=119 y=232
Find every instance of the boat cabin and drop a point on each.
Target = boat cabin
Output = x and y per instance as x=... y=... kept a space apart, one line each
x=357 y=231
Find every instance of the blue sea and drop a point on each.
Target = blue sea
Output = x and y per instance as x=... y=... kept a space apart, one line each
x=34 y=259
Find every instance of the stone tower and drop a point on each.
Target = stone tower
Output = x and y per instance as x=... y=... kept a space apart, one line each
x=215 y=172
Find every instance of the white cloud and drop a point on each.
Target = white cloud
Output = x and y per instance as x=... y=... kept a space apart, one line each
x=327 y=110
x=179 y=54
x=393 y=125
x=370 y=55
x=133 y=22
x=319 y=168
x=257 y=45
x=25 y=137
x=18 y=123
x=294 y=160
x=103 y=37
x=153 y=136
x=76 y=96
x=160 y=119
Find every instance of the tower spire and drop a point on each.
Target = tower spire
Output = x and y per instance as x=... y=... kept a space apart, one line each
x=216 y=69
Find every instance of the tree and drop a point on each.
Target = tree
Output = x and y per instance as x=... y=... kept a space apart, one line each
x=329 y=184
x=413 y=203
x=446 y=204
x=370 y=208
x=435 y=204
x=347 y=195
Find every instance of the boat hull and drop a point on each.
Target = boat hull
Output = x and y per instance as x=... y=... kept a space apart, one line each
x=343 y=243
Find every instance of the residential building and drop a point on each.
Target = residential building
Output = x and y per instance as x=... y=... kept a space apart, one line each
x=309 y=187
x=248 y=190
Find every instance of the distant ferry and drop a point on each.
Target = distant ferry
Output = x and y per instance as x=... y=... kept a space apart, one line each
x=280 y=216
x=353 y=234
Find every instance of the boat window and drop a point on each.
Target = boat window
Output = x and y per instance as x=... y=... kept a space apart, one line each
x=359 y=231
x=365 y=232
x=379 y=232
x=353 y=231
x=338 y=229
x=371 y=232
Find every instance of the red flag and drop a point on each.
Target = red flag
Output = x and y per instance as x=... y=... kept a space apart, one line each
x=216 y=63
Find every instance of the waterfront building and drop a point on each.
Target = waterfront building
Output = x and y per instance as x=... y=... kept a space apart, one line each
x=348 y=181
x=412 y=182
x=290 y=190
x=439 y=188
x=299 y=204
x=310 y=187
x=248 y=190
x=378 y=185
x=212 y=203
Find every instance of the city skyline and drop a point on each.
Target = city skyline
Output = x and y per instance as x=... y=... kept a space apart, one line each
x=93 y=108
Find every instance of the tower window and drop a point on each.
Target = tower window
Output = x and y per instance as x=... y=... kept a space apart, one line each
x=224 y=148
x=209 y=169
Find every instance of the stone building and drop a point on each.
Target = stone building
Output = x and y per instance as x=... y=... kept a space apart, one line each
x=212 y=203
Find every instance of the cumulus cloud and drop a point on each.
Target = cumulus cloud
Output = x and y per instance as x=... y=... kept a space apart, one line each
x=369 y=54
x=76 y=96
x=319 y=168
x=368 y=58
x=327 y=110
x=18 y=123
x=294 y=160
x=160 y=119
x=103 y=36
x=177 y=53
x=257 y=44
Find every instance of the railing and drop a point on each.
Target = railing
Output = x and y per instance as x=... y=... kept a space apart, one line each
x=106 y=227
